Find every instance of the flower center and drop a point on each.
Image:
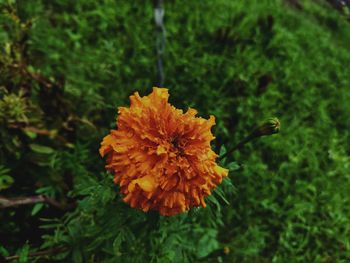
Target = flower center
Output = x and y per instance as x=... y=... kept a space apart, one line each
x=177 y=145
x=174 y=147
x=175 y=142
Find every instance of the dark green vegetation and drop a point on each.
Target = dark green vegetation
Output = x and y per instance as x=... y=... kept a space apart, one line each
x=66 y=65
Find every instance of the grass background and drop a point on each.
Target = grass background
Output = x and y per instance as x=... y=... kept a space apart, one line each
x=67 y=65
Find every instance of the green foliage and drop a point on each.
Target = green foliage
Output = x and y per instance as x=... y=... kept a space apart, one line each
x=65 y=66
x=5 y=179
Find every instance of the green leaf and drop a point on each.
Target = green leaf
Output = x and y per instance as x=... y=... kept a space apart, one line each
x=4 y=170
x=23 y=254
x=77 y=256
x=208 y=242
x=37 y=208
x=30 y=134
x=41 y=149
x=218 y=191
x=4 y=252
x=233 y=166
x=118 y=241
x=5 y=182
x=222 y=150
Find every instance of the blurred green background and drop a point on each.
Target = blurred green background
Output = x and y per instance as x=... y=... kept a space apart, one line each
x=65 y=66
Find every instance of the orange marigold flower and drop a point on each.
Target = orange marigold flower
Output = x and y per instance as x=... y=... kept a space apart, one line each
x=160 y=156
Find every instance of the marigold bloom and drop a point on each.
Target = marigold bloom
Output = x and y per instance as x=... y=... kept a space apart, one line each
x=160 y=156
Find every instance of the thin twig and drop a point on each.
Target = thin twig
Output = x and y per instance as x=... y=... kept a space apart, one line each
x=50 y=251
x=10 y=202
x=53 y=134
x=22 y=67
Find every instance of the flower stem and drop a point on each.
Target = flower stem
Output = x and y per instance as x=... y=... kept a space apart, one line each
x=269 y=127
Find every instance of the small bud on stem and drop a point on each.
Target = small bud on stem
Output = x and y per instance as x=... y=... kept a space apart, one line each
x=269 y=127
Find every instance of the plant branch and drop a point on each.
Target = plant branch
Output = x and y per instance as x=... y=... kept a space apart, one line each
x=10 y=202
x=50 y=251
x=44 y=132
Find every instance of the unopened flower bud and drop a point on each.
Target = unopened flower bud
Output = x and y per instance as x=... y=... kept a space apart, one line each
x=269 y=127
